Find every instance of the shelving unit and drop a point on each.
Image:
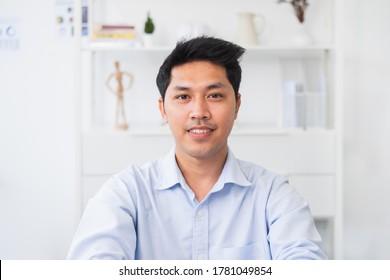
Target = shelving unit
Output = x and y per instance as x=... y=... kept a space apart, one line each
x=256 y=60
x=307 y=151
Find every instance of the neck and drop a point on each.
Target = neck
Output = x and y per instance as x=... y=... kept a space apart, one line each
x=201 y=174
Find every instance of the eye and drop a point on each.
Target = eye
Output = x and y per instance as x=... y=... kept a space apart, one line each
x=215 y=96
x=182 y=97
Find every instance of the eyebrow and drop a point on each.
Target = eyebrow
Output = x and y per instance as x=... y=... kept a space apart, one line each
x=181 y=88
x=212 y=86
x=216 y=86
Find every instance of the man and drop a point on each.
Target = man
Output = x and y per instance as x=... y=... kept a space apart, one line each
x=199 y=201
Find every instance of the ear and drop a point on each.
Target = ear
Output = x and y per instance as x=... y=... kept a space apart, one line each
x=162 y=109
x=238 y=104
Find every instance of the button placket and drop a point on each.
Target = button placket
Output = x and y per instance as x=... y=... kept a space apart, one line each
x=200 y=233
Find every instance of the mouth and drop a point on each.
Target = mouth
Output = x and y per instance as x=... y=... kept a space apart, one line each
x=200 y=131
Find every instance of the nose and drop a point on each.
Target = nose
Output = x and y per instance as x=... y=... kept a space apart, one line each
x=200 y=110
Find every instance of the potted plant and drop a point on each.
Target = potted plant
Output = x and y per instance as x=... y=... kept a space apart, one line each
x=302 y=36
x=149 y=28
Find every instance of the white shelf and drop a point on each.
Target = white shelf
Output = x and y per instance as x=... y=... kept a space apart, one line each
x=141 y=130
x=241 y=130
x=123 y=45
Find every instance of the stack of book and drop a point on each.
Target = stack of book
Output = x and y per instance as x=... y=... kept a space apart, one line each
x=113 y=32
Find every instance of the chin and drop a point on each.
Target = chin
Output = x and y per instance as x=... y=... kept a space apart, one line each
x=203 y=152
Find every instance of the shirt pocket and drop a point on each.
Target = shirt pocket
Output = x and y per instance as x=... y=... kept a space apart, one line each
x=253 y=251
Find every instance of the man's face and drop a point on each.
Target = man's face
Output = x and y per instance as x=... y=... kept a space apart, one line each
x=200 y=108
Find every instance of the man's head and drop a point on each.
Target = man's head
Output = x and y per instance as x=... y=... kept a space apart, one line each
x=216 y=51
x=199 y=85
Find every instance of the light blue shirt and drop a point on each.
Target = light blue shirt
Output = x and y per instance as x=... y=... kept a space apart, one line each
x=150 y=212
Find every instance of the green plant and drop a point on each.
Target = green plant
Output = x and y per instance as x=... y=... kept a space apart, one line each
x=149 y=25
x=299 y=8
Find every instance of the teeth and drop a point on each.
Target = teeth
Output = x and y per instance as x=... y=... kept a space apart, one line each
x=200 y=131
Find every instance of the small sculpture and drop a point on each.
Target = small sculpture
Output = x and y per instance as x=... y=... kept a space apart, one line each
x=121 y=85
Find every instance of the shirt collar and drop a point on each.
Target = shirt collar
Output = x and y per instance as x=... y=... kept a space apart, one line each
x=232 y=172
x=171 y=175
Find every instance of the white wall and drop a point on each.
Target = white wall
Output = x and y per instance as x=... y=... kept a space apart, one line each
x=367 y=129
x=37 y=205
x=38 y=208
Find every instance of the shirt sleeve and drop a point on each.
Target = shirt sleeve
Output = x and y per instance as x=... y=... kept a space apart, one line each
x=292 y=234
x=107 y=227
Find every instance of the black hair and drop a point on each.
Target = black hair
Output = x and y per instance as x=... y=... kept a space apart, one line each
x=203 y=48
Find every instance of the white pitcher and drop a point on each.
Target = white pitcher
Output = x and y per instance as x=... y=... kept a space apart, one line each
x=248 y=32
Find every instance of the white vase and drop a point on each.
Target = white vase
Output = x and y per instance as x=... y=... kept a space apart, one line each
x=250 y=26
x=302 y=36
x=148 y=40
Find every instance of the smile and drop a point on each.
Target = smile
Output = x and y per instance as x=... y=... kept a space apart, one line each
x=200 y=131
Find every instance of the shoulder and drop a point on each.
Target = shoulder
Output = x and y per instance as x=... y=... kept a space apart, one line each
x=268 y=184
x=134 y=176
x=279 y=194
x=139 y=172
x=257 y=174
x=133 y=180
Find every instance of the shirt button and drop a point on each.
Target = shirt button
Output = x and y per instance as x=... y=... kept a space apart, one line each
x=200 y=257
x=200 y=213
